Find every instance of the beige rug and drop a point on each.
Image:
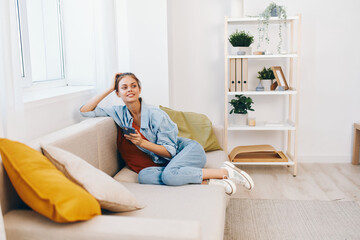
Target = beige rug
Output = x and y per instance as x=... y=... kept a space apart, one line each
x=286 y=219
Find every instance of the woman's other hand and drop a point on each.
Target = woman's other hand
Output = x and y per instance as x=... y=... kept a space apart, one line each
x=135 y=138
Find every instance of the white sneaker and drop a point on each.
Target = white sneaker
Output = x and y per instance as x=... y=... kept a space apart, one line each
x=229 y=186
x=238 y=176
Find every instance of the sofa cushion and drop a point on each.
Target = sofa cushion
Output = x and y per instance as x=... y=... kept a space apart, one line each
x=111 y=194
x=195 y=126
x=194 y=202
x=44 y=188
x=215 y=159
x=26 y=224
x=126 y=175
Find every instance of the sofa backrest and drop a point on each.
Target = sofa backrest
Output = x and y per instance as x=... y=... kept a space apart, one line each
x=94 y=140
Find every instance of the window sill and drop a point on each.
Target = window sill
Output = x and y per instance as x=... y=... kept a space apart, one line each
x=56 y=93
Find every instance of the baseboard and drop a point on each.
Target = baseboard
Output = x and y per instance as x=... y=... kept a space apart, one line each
x=325 y=159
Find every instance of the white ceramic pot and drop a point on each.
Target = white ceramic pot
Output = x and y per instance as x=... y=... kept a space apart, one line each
x=266 y=83
x=243 y=51
x=238 y=119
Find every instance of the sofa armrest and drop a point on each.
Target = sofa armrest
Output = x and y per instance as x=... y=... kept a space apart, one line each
x=27 y=224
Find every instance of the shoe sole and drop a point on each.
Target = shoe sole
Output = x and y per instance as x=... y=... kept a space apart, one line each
x=242 y=173
x=232 y=185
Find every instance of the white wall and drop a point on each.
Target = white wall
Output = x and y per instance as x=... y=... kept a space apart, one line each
x=196 y=56
x=148 y=50
x=43 y=117
x=329 y=63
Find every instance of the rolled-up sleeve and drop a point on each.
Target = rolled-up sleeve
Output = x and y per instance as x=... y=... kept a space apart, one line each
x=167 y=135
x=98 y=112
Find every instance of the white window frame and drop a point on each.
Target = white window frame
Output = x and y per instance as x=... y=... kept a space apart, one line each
x=25 y=61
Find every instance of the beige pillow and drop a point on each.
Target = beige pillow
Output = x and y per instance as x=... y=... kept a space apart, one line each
x=111 y=194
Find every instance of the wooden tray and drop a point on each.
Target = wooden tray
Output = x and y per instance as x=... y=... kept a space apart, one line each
x=257 y=153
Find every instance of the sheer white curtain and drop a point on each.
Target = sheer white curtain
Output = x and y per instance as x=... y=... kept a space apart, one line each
x=11 y=103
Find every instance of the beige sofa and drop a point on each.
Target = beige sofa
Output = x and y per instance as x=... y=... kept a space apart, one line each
x=184 y=212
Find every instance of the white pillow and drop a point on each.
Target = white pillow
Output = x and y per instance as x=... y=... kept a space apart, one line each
x=111 y=194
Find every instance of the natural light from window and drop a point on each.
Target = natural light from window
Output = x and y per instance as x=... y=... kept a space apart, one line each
x=43 y=19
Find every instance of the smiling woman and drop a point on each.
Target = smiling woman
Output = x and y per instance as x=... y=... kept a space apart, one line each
x=166 y=158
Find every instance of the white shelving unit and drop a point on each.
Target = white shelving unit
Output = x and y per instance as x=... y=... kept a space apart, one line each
x=291 y=96
x=290 y=55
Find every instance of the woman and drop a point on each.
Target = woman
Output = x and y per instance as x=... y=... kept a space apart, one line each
x=174 y=160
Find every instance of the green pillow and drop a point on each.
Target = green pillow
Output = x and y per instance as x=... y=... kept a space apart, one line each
x=195 y=126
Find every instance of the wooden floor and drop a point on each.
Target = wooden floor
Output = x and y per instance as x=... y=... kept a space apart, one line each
x=314 y=181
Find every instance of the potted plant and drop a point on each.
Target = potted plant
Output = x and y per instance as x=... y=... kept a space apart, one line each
x=273 y=10
x=266 y=76
x=242 y=41
x=241 y=105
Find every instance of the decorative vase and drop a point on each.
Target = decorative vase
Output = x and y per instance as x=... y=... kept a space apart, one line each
x=266 y=83
x=259 y=87
x=274 y=12
x=238 y=119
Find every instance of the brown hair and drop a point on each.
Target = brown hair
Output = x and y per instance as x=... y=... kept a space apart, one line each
x=120 y=76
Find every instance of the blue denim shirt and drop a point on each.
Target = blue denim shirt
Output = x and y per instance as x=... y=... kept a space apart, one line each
x=156 y=126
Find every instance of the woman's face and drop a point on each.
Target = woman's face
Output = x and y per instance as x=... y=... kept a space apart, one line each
x=129 y=90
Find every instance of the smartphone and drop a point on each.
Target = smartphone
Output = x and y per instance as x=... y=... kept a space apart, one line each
x=128 y=130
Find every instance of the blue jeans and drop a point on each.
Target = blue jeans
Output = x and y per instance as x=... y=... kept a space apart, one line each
x=184 y=168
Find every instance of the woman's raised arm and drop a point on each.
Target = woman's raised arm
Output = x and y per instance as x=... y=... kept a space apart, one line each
x=93 y=102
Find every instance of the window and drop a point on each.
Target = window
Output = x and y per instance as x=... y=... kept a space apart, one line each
x=40 y=37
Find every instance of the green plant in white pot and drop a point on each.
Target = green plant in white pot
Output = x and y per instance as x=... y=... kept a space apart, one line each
x=241 y=105
x=242 y=41
x=266 y=76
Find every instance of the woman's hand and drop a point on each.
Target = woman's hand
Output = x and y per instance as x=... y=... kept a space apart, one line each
x=135 y=138
x=114 y=80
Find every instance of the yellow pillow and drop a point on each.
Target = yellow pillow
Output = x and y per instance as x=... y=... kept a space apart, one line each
x=44 y=188
x=195 y=126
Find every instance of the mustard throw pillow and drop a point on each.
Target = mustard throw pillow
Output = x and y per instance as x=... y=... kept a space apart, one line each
x=44 y=188
x=195 y=126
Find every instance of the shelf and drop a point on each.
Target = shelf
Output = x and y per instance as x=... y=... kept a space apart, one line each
x=287 y=92
x=261 y=126
x=238 y=71
x=290 y=162
x=289 y=55
x=252 y=20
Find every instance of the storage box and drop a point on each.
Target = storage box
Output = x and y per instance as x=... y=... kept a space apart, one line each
x=257 y=153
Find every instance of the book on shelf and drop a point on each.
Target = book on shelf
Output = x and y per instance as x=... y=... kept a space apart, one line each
x=232 y=84
x=244 y=74
x=238 y=81
x=238 y=70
